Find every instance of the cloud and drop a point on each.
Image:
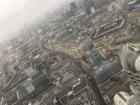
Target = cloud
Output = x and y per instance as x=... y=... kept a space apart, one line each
x=16 y=13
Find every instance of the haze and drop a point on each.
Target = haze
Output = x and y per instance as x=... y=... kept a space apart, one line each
x=17 y=13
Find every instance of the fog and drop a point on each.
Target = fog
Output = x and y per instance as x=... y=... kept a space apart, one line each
x=14 y=14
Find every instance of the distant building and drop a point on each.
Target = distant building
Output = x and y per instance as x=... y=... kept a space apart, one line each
x=100 y=3
x=116 y=6
x=84 y=5
x=73 y=6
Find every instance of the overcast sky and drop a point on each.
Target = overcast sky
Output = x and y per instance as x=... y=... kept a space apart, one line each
x=14 y=14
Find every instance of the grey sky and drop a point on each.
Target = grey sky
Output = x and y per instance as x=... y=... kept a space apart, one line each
x=16 y=13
